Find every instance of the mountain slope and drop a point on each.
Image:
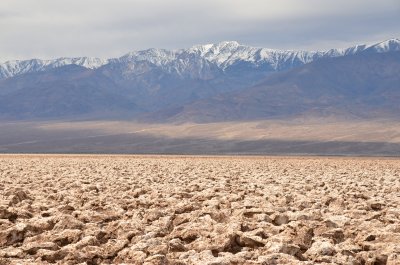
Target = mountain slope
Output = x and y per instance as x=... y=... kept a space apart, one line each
x=179 y=84
x=363 y=85
x=68 y=91
x=152 y=86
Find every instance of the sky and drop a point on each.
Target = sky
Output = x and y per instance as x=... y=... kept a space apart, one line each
x=110 y=28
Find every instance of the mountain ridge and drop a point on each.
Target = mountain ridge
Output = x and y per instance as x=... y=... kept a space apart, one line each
x=162 y=83
x=224 y=55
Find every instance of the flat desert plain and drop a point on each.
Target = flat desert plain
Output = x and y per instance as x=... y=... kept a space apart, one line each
x=71 y=209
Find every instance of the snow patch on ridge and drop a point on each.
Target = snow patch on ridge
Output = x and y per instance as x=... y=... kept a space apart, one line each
x=223 y=55
x=17 y=67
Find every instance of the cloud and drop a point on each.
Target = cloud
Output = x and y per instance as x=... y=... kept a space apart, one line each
x=110 y=28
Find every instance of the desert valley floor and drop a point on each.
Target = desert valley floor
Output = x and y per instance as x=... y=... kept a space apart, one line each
x=77 y=209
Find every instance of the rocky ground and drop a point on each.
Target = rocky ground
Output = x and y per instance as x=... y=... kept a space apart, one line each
x=198 y=210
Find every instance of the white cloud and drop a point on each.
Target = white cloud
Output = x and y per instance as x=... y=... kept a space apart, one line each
x=109 y=28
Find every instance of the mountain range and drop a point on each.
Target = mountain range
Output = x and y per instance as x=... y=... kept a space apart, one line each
x=206 y=83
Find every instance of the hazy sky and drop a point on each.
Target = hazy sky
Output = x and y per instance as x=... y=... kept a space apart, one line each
x=110 y=28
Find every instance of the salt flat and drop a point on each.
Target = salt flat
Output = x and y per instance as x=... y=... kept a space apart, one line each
x=71 y=209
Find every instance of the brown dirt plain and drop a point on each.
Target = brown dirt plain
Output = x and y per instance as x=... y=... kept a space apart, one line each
x=71 y=209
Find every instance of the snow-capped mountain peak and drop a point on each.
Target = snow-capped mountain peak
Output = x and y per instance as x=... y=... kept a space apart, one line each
x=155 y=56
x=222 y=55
x=17 y=67
x=214 y=47
x=386 y=46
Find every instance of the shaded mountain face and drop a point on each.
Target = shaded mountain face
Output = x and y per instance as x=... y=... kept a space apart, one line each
x=205 y=82
x=62 y=92
x=358 y=86
x=152 y=87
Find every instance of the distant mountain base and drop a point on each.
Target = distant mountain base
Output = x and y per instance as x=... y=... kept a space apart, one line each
x=345 y=138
